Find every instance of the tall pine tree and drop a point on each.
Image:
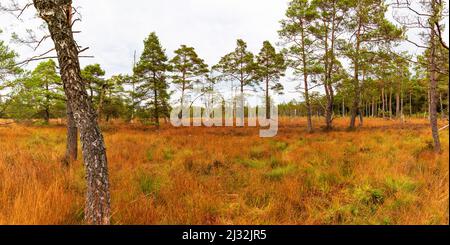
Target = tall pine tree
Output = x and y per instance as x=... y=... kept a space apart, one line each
x=187 y=69
x=271 y=67
x=150 y=72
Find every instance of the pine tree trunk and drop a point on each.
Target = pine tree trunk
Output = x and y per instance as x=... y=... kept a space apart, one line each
x=72 y=137
x=100 y=104
x=267 y=100
x=54 y=13
x=305 y=80
x=383 y=102
x=47 y=104
x=374 y=108
x=429 y=102
x=390 y=103
x=433 y=94
x=410 y=105
x=357 y=100
x=156 y=111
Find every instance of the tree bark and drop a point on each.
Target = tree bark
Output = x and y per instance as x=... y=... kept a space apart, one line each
x=100 y=103
x=390 y=103
x=356 y=100
x=72 y=137
x=433 y=92
x=410 y=104
x=155 y=101
x=47 y=104
x=383 y=102
x=305 y=80
x=54 y=13
x=267 y=100
x=374 y=107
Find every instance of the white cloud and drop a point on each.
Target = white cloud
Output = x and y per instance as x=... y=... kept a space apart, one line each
x=114 y=30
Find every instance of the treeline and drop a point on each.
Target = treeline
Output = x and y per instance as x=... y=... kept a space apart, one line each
x=317 y=38
x=146 y=93
x=345 y=48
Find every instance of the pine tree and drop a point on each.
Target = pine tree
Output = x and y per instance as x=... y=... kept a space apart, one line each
x=370 y=28
x=331 y=15
x=295 y=31
x=150 y=71
x=8 y=68
x=7 y=61
x=113 y=102
x=239 y=66
x=93 y=76
x=44 y=86
x=270 y=68
x=187 y=69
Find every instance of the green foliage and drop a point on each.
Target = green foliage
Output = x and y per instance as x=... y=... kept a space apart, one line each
x=187 y=68
x=368 y=195
x=270 y=67
x=238 y=65
x=150 y=72
x=93 y=78
x=168 y=154
x=149 y=185
x=39 y=94
x=7 y=62
x=280 y=172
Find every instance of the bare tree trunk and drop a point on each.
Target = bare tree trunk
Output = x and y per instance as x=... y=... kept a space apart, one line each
x=384 y=102
x=433 y=93
x=100 y=103
x=410 y=105
x=390 y=103
x=55 y=14
x=72 y=137
x=374 y=108
x=397 y=105
x=305 y=80
x=329 y=107
x=267 y=100
x=402 y=113
x=429 y=102
x=156 y=111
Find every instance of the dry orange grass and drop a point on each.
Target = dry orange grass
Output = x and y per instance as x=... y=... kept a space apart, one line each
x=383 y=173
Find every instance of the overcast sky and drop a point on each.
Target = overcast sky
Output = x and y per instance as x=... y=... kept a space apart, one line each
x=113 y=30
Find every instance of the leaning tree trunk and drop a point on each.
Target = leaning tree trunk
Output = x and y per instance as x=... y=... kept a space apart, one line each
x=55 y=14
x=72 y=137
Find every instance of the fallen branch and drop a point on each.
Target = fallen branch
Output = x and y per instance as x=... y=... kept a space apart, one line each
x=444 y=127
x=4 y=124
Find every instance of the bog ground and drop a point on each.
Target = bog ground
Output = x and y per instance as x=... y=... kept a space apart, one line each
x=383 y=173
